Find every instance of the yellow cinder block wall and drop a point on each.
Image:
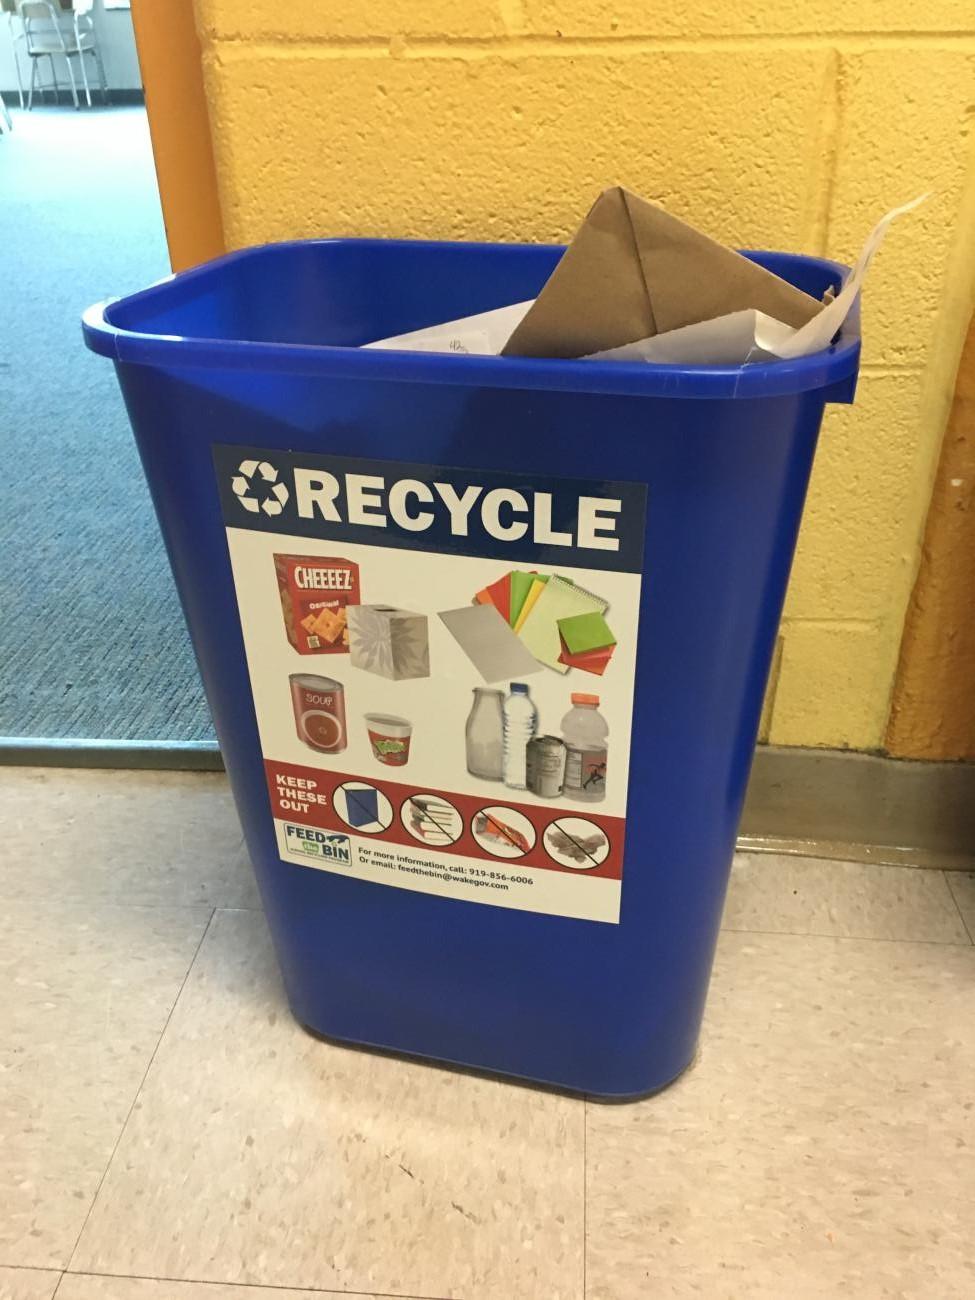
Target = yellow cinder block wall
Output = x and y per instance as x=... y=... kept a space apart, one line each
x=783 y=124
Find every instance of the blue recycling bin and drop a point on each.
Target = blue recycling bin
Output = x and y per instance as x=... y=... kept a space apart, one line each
x=374 y=547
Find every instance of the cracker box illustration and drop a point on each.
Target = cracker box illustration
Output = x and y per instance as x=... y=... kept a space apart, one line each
x=316 y=593
x=390 y=642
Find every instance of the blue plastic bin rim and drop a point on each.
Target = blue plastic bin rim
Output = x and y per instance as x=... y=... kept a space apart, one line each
x=833 y=368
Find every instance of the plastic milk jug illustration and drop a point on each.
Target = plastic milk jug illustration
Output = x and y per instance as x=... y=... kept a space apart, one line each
x=520 y=724
x=584 y=731
x=484 y=734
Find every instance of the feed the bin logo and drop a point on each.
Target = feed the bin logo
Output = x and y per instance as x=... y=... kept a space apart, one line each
x=319 y=844
x=269 y=496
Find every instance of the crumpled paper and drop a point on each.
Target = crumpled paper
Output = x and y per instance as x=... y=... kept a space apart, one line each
x=632 y=253
x=748 y=336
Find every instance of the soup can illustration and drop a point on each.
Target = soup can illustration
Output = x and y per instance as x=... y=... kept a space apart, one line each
x=319 y=706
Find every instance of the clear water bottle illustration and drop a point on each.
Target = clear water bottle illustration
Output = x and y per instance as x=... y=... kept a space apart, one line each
x=520 y=725
x=585 y=731
x=484 y=734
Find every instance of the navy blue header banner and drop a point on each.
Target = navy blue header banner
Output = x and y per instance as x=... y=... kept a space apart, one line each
x=589 y=523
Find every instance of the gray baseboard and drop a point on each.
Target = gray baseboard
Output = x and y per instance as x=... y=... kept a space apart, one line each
x=160 y=755
x=809 y=802
x=116 y=98
x=834 y=803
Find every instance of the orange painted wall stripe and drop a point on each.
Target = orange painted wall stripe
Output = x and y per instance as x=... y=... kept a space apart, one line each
x=933 y=713
x=169 y=57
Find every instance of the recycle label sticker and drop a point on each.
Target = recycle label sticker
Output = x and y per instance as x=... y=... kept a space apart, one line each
x=442 y=663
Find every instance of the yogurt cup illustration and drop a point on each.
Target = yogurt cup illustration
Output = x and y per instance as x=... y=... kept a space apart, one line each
x=389 y=737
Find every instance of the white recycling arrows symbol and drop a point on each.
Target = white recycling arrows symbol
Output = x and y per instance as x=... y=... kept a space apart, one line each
x=272 y=503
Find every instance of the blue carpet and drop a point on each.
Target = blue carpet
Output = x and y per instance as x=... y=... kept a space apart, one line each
x=92 y=639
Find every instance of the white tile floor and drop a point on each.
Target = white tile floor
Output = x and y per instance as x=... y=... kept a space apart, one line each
x=168 y=1133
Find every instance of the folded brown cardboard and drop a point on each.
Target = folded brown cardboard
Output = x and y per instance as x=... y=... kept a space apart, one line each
x=633 y=271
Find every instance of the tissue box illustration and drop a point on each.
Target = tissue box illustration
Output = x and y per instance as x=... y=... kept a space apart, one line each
x=390 y=642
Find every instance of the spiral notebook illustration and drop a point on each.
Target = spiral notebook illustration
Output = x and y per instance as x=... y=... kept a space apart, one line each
x=560 y=599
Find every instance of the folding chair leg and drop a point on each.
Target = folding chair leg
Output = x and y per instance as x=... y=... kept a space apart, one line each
x=20 y=79
x=84 y=76
x=33 y=78
x=5 y=118
x=101 y=73
x=74 y=88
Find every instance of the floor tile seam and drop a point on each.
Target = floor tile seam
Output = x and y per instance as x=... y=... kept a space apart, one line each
x=138 y=1092
x=963 y=945
x=961 y=914
x=254 y=1286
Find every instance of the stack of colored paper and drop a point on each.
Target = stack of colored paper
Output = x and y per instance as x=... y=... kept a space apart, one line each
x=513 y=595
x=587 y=642
x=560 y=623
